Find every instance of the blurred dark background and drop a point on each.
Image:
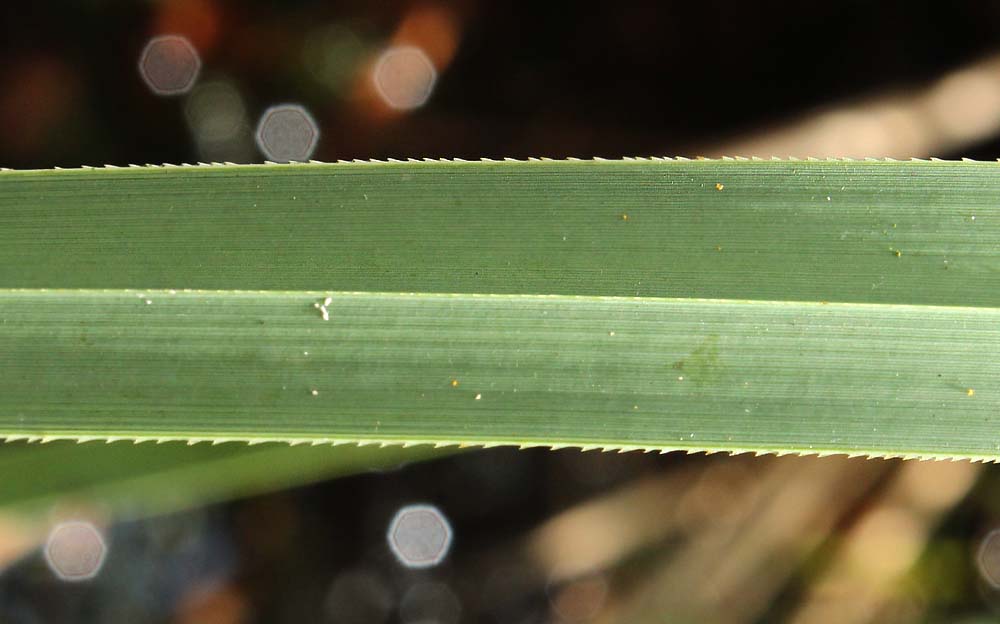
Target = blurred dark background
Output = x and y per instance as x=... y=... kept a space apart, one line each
x=513 y=79
x=539 y=536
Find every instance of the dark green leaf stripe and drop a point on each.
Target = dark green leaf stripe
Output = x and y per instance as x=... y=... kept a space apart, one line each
x=799 y=231
x=134 y=480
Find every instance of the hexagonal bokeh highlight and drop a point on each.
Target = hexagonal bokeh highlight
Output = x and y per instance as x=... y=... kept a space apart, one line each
x=169 y=65
x=404 y=77
x=287 y=133
x=988 y=558
x=419 y=536
x=579 y=600
x=75 y=551
x=430 y=602
x=358 y=597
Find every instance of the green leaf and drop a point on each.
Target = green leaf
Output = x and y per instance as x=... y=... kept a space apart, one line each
x=502 y=369
x=818 y=306
x=135 y=480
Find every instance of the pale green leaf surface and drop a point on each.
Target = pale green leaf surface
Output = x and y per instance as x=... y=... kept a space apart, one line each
x=582 y=371
x=904 y=365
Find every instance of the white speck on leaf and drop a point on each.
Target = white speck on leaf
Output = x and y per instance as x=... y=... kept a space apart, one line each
x=322 y=308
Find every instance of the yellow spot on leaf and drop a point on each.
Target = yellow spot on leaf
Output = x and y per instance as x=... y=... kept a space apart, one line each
x=454 y=383
x=624 y=217
x=703 y=364
x=719 y=186
x=970 y=392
